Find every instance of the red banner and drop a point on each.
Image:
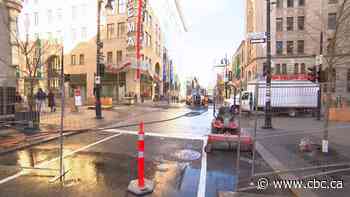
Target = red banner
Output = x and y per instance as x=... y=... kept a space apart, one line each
x=138 y=37
x=300 y=77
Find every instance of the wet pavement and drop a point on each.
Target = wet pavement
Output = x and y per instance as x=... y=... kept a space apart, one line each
x=103 y=163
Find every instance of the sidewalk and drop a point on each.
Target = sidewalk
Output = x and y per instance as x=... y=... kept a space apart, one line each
x=280 y=148
x=74 y=123
x=160 y=104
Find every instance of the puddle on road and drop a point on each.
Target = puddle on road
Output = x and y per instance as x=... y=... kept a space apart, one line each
x=187 y=155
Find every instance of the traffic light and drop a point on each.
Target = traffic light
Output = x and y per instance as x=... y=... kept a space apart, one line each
x=321 y=76
x=312 y=74
x=66 y=77
x=264 y=69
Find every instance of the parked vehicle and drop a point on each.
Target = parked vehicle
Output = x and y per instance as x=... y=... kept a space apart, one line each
x=290 y=97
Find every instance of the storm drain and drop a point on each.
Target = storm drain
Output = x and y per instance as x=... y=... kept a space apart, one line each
x=187 y=155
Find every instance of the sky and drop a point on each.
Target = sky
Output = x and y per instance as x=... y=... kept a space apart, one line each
x=215 y=28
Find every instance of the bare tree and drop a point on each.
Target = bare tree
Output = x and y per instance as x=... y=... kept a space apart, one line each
x=337 y=53
x=33 y=53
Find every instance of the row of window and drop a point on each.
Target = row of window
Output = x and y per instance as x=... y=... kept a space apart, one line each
x=300 y=3
x=75 y=61
x=119 y=57
x=290 y=23
x=59 y=14
x=282 y=69
x=290 y=3
x=290 y=47
x=120 y=30
x=332 y=21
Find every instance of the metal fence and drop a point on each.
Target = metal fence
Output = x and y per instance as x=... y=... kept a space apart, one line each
x=299 y=145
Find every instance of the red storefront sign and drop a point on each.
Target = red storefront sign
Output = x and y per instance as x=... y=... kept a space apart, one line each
x=299 y=77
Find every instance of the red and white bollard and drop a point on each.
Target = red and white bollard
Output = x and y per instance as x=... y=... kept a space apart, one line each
x=141 y=159
x=141 y=186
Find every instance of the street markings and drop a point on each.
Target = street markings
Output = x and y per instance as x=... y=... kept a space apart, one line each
x=179 y=136
x=203 y=172
x=203 y=175
x=23 y=172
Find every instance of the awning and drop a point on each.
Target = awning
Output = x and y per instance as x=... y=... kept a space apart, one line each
x=116 y=69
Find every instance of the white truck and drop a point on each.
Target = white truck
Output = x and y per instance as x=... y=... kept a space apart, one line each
x=292 y=96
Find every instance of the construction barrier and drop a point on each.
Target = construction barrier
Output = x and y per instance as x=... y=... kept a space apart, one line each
x=141 y=186
x=339 y=114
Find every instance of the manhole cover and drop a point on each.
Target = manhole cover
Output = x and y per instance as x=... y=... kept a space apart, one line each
x=187 y=155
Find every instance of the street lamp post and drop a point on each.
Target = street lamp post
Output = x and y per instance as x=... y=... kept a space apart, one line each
x=99 y=55
x=268 y=119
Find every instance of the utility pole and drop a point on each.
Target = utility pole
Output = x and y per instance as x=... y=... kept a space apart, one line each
x=62 y=113
x=268 y=118
x=319 y=80
x=98 y=63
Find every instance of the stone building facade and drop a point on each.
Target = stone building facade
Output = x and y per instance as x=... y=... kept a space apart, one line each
x=299 y=30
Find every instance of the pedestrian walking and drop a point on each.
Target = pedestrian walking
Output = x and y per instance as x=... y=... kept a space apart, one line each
x=40 y=100
x=51 y=101
x=18 y=98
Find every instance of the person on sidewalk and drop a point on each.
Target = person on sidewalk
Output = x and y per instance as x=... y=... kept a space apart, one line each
x=18 y=98
x=40 y=100
x=51 y=101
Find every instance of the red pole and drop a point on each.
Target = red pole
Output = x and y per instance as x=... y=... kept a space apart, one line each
x=138 y=37
x=140 y=159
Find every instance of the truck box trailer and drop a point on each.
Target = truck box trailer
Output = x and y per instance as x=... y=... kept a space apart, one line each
x=290 y=96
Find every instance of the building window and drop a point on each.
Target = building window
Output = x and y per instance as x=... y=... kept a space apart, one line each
x=81 y=59
x=284 y=69
x=290 y=3
x=83 y=32
x=121 y=6
x=73 y=60
x=290 y=47
x=332 y=1
x=110 y=57
x=279 y=3
x=49 y=16
x=279 y=24
x=59 y=14
x=110 y=31
x=296 y=68
x=348 y=80
x=279 y=47
x=121 y=30
x=302 y=68
x=301 y=46
x=301 y=2
x=290 y=23
x=332 y=21
x=83 y=9
x=119 y=57
x=301 y=23
x=278 y=69
x=36 y=18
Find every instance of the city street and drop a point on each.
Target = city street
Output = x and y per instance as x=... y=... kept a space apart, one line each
x=102 y=163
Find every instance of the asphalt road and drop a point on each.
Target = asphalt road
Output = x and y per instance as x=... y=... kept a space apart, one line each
x=103 y=163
